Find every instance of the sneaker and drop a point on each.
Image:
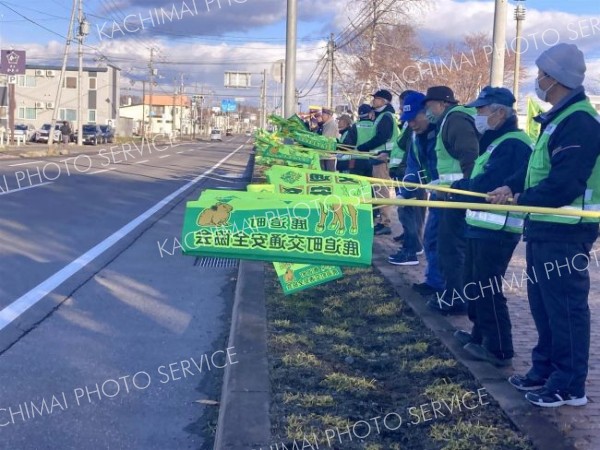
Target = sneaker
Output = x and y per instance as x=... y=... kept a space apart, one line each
x=446 y=310
x=424 y=288
x=421 y=252
x=463 y=337
x=382 y=230
x=403 y=259
x=524 y=383
x=554 y=398
x=399 y=238
x=481 y=353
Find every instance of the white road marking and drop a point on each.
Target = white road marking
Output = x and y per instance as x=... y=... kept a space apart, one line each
x=27 y=187
x=180 y=152
x=141 y=162
x=26 y=301
x=102 y=171
x=163 y=156
x=24 y=163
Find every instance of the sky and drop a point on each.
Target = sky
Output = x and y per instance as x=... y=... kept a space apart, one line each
x=201 y=39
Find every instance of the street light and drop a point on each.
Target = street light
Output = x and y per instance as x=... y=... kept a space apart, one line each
x=519 y=17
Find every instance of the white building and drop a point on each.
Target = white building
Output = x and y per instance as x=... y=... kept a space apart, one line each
x=170 y=114
x=35 y=95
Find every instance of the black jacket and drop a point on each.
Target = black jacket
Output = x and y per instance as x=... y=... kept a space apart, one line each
x=510 y=157
x=574 y=148
x=461 y=139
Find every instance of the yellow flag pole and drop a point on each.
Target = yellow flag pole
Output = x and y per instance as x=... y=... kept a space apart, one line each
x=485 y=207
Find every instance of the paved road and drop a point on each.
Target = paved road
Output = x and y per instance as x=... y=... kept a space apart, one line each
x=108 y=335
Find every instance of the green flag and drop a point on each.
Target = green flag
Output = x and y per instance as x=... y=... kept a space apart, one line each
x=280 y=228
x=297 y=277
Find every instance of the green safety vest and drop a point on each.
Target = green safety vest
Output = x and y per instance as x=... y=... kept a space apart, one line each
x=342 y=156
x=447 y=166
x=365 y=131
x=539 y=168
x=398 y=153
x=497 y=220
x=392 y=143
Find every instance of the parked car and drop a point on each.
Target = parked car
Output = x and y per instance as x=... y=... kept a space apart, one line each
x=229 y=132
x=215 y=135
x=248 y=133
x=109 y=133
x=41 y=135
x=26 y=130
x=92 y=134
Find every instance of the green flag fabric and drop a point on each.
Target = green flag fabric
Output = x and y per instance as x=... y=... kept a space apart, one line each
x=297 y=277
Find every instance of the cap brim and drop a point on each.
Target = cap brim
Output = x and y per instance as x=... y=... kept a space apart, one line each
x=478 y=103
x=436 y=99
x=406 y=117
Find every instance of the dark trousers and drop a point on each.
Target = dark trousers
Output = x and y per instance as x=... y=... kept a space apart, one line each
x=451 y=251
x=558 y=298
x=485 y=264
x=412 y=219
x=433 y=275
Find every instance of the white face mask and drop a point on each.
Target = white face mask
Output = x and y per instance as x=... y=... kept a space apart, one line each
x=541 y=93
x=482 y=124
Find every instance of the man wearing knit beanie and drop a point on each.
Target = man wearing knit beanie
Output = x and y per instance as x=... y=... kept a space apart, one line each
x=563 y=172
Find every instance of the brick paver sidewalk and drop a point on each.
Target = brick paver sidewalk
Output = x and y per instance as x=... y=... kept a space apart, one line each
x=581 y=424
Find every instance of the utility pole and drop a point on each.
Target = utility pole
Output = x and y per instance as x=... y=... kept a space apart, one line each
x=263 y=101
x=62 y=74
x=81 y=34
x=181 y=107
x=290 y=59
x=519 y=17
x=499 y=44
x=143 y=110
x=330 y=50
x=173 y=110
x=152 y=73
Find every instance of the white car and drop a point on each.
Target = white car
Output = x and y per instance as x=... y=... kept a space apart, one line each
x=215 y=135
x=248 y=133
x=26 y=130
x=41 y=135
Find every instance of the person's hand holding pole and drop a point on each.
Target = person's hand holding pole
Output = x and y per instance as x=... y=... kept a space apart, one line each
x=500 y=196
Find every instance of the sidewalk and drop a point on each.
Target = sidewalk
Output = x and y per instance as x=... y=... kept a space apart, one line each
x=580 y=425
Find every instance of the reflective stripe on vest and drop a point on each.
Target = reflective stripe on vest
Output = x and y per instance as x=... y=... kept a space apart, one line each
x=497 y=220
x=540 y=165
x=392 y=143
x=398 y=153
x=447 y=166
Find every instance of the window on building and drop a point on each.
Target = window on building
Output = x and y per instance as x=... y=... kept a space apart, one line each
x=92 y=116
x=93 y=84
x=68 y=114
x=26 y=81
x=70 y=83
x=27 y=113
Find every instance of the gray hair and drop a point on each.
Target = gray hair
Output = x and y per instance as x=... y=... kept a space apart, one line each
x=508 y=111
x=347 y=118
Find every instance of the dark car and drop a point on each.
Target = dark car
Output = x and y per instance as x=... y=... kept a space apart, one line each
x=229 y=132
x=109 y=133
x=92 y=134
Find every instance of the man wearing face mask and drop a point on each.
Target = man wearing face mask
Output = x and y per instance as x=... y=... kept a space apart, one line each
x=382 y=144
x=457 y=148
x=563 y=172
x=492 y=236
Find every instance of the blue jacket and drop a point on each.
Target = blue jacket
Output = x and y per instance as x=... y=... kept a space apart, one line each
x=510 y=157
x=574 y=148
x=421 y=169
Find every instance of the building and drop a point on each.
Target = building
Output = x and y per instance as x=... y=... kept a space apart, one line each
x=35 y=95
x=170 y=114
x=595 y=101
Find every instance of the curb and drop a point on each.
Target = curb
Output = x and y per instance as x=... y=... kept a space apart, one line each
x=542 y=433
x=244 y=421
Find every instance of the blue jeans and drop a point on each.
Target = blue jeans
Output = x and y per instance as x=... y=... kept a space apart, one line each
x=412 y=218
x=433 y=275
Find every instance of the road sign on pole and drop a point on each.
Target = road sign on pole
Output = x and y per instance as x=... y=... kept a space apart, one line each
x=238 y=80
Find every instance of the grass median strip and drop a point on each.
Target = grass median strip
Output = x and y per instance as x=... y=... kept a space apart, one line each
x=352 y=367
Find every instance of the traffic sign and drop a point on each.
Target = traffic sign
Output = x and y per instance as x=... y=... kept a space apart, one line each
x=228 y=105
x=12 y=62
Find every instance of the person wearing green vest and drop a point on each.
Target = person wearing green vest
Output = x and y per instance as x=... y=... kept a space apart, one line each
x=491 y=236
x=344 y=162
x=382 y=144
x=563 y=172
x=457 y=148
x=362 y=131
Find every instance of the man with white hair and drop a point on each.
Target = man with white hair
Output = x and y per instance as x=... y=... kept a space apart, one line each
x=563 y=172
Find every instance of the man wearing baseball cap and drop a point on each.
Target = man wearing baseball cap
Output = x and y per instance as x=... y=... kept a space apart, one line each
x=563 y=172
x=382 y=144
x=362 y=131
x=457 y=148
x=492 y=235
